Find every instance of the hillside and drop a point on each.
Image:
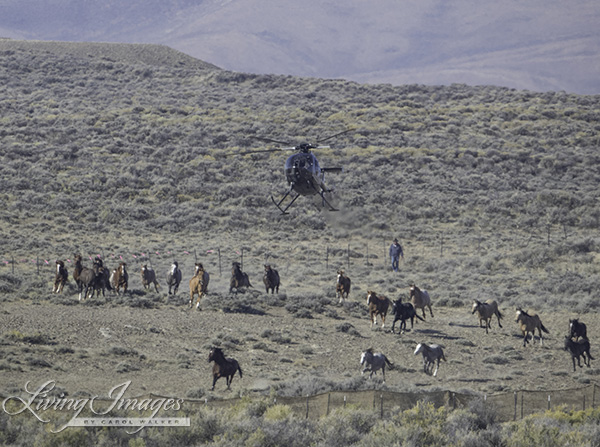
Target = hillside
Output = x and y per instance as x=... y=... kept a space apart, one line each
x=492 y=192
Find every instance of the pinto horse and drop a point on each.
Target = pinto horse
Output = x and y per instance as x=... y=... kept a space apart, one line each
x=149 y=277
x=174 y=278
x=374 y=361
x=378 y=305
x=61 y=278
x=420 y=299
x=271 y=279
x=403 y=311
x=120 y=278
x=223 y=367
x=198 y=284
x=85 y=278
x=238 y=278
x=342 y=286
x=485 y=312
x=578 y=349
x=529 y=323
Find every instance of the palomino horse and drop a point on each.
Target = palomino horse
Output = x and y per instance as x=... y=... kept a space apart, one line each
x=61 y=278
x=174 y=278
x=120 y=278
x=149 y=277
x=223 y=367
x=578 y=349
x=431 y=354
x=378 y=305
x=238 y=278
x=485 y=312
x=85 y=278
x=342 y=286
x=198 y=284
x=271 y=279
x=374 y=362
x=420 y=299
x=403 y=311
x=529 y=323
x=577 y=329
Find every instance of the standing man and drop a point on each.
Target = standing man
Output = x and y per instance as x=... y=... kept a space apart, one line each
x=395 y=254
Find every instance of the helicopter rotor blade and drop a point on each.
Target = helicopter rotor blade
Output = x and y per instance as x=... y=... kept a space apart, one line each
x=333 y=136
x=271 y=140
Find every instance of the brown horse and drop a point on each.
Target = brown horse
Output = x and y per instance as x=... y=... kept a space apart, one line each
x=198 y=284
x=85 y=278
x=529 y=323
x=486 y=311
x=223 y=367
x=342 y=286
x=420 y=299
x=378 y=305
x=120 y=278
x=271 y=279
x=238 y=278
x=61 y=278
x=149 y=277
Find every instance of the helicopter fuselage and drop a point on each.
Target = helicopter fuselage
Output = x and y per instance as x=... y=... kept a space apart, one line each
x=304 y=175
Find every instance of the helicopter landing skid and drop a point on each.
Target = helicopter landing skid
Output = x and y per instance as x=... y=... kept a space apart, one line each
x=278 y=204
x=325 y=201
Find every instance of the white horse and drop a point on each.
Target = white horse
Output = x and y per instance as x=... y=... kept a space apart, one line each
x=431 y=354
x=374 y=361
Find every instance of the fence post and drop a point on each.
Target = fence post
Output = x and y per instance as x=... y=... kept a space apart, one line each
x=548 y=402
x=327 y=259
x=521 y=404
x=307 y=396
x=219 y=252
x=37 y=263
x=381 y=405
x=328 y=403
x=348 y=256
x=594 y=396
x=13 y=265
x=515 y=415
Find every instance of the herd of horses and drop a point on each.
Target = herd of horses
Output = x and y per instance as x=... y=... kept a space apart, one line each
x=97 y=279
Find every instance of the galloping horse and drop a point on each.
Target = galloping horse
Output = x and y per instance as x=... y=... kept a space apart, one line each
x=120 y=278
x=486 y=311
x=84 y=277
x=403 y=311
x=102 y=277
x=578 y=349
x=378 y=305
x=198 y=284
x=374 y=361
x=431 y=354
x=238 y=278
x=420 y=299
x=223 y=367
x=577 y=329
x=174 y=278
x=271 y=279
x=529 y=323
x=342 y=286
x=149 y=277
x=61 y=278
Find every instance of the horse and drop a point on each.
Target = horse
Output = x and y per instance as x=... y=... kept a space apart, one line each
x=61 y=278
x=420 y=299
x=102 y=277
x=373 y=362
x=431 y=354
x=486 y=311
x=578 y=349
x=529 y=323
x=577 y=329
x=84 y=277
x=378 y=305
x=403 y=311
x=120 y=278
x=342 y=286
x=149 y=277
x=198 y=284
x=271 y=279
x=223 y=367
x=174 y=278
x=238 y=278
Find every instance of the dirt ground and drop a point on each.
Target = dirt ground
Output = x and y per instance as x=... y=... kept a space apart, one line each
x=164 y=350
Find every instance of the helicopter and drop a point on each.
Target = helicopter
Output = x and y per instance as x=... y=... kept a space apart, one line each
x=303 y=173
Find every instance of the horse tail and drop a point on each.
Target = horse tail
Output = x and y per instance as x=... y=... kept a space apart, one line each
x=239 y=368
x=543 y=328
x=499 y=313
x=390 y=364
x=420 y=318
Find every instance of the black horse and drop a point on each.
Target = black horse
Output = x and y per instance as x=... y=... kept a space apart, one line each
x=577 y=329
x=271 y=279
x=223 y=367
x=403 y=311
x=85 y=278
x=578 y=349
